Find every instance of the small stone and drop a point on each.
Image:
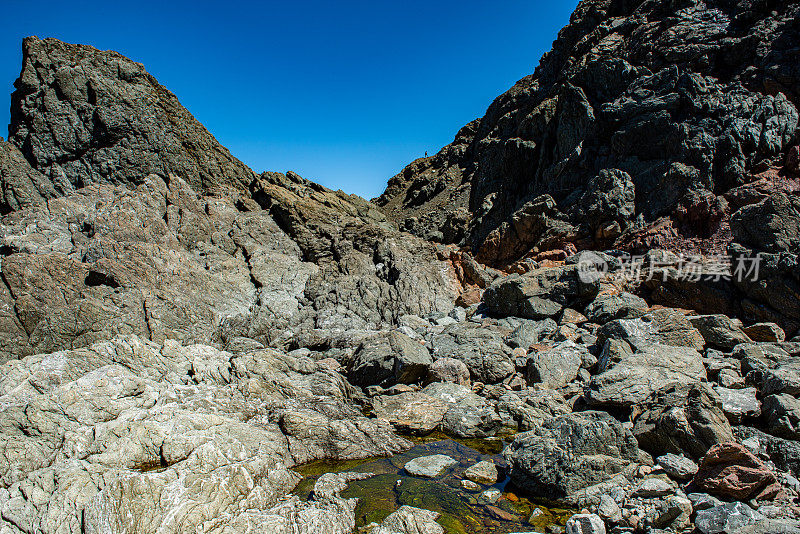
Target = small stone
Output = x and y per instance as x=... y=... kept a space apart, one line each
x=429 y=466
x=492 y=495
x=570 y=316
x=585 y=524
x=654 y=487
x=484 y=472
x=499 y=513
x=677 y=466
x=470 y=485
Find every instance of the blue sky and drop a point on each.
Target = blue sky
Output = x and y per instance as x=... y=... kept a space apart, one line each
x=345 y=93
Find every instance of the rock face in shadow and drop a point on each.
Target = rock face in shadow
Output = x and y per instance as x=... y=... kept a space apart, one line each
x=83 y=116
x=642 y=110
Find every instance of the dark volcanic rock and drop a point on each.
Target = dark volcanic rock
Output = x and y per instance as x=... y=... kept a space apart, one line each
x=539 y=294
x=569 y=453
x=644 y=109
x=82 y=116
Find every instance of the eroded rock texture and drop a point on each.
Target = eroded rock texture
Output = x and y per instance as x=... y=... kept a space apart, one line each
x=133 y=436
x=649 y=124
x=83 y=116
x=641 y=110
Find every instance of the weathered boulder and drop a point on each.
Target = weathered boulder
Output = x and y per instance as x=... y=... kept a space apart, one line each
x=409 y=520
x=538 y=294
x=638 y=375
x=771 y=369
x=731 y=471
x=719 y=331
x=567 y=453
x=607 y=307
x=448 y=370
x=765 y=332
x=387 y=359
x=483 y=472
x=526 y=409
x=783 y=416
x=585 y=524
x=729 y=518
x=784 y=453
x=683 y=418
x=677 y=466
x=529 y=333
x=429 y=466
x=556 y=367
x=483 y=351
x=772 y=225
x=411 y=412
x=468 y=415
x=739 y=403
x=663 y=325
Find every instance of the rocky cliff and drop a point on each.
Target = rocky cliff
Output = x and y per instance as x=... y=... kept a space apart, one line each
x=125 y=216
x=649 y=124
x=641 y=110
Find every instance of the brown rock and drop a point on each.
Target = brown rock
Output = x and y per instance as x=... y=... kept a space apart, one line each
x=570 y=316
x=499 y=513
x=766 y=332
x=469 y=297
x=448 y=370
x=729 y=470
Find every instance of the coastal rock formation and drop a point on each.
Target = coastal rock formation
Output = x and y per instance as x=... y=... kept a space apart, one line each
x=648 y=125
x=82 y=116
x=179 y=335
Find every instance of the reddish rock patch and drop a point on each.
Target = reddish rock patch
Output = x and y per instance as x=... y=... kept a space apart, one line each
x=729 y=470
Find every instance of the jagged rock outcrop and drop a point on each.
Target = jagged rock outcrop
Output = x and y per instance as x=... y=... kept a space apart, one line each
x=127 y=245
x=82 y=116
x=649 y=124
x=640 y=108
x=178 y=333
x=162 y=262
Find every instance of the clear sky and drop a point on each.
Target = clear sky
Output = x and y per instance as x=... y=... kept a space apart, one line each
x=345 y=93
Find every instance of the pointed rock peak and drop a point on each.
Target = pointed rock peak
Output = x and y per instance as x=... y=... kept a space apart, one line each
x=81 y=115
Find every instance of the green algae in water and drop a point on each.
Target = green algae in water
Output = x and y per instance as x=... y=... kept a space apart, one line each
x=461 y=511
x=488 y=446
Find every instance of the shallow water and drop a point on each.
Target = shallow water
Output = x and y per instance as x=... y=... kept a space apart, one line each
x=461 y=511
